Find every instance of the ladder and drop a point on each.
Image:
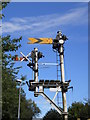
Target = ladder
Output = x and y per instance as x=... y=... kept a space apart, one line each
x=59 y=98
x=58 y=67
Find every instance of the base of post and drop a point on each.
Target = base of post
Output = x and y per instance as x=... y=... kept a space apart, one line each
x=65 y=117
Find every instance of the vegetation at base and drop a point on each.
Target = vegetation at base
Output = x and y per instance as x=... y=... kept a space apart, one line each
x=79 y=110
x=76 y=110
x=52 y=115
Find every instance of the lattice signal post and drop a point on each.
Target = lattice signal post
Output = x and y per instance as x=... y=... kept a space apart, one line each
x=38 y=86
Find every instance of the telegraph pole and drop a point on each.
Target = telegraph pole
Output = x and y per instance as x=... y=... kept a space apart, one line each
x=19 y=102
x=20 y=81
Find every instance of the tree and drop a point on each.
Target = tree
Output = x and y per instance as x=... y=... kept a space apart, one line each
x=2 y=6
x=10 y=92
x=52 y=115
x=79 y=110
x=76 y=110
x=28 y=109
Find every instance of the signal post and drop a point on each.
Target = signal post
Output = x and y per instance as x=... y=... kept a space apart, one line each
x=63 y=81
x=58 y=45
x=36 y=68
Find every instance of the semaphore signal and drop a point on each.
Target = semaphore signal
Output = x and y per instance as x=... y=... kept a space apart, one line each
x=38 y=86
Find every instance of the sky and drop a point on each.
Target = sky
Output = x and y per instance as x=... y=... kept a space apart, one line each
x=39 y=19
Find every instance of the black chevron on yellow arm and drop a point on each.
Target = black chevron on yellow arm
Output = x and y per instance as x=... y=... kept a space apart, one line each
x=40 y=41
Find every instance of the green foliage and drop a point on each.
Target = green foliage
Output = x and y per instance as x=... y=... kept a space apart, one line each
x=52 y=115
x=8 y=46
x=79 y=110
x=10 y=93
x=9 y=90
x=28 y=109
x=2 y=6
x=9 y=96
x=76 y=110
